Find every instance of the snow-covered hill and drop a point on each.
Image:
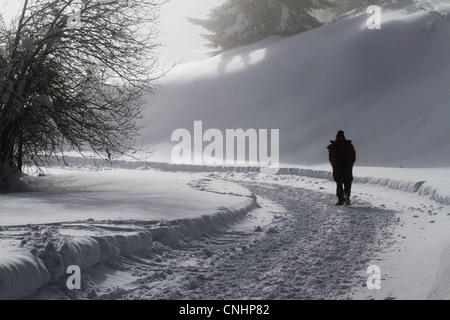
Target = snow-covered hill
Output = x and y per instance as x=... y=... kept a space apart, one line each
x=388 y=89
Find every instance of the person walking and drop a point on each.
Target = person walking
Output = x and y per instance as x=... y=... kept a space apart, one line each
x=342 y=156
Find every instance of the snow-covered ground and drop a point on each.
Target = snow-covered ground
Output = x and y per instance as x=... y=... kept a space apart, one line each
x=61 y=222
x=116 y=195
x=218 y=241
x=411 y=244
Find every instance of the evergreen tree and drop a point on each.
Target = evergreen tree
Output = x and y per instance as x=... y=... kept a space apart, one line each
x=241 y=22
x=340 y=7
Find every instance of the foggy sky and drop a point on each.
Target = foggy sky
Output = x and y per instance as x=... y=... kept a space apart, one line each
x=181 y=39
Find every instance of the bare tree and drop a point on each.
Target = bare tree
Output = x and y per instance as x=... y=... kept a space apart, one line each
x=72 y=73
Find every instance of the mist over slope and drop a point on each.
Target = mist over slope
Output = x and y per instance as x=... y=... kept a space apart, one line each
x=388 y=89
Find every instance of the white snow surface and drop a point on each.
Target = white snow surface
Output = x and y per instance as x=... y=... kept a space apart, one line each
x=387 y=89
x=21 y=273
x=83 y=218
x=288 y=242
x=117 y=194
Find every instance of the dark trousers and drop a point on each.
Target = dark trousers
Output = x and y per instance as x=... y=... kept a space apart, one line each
x=343 y=175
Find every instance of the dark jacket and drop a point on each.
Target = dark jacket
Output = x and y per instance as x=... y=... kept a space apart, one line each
x=341 y=152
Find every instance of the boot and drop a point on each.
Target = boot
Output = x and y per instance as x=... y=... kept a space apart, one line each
x=346 y=199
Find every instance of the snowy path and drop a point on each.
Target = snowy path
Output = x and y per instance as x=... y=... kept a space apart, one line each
x=312 y=250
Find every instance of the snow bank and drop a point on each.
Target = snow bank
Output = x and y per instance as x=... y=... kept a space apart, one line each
x=433 y=190
x=436 y=188
x=191 y=228
x=21 y=273
x=441 y=287
x=90 y=251
x=434 y=194
x=24 y=270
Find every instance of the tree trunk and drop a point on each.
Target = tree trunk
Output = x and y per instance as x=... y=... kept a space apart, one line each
x=9 y=176
x=7 y=138
x=19 y=157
